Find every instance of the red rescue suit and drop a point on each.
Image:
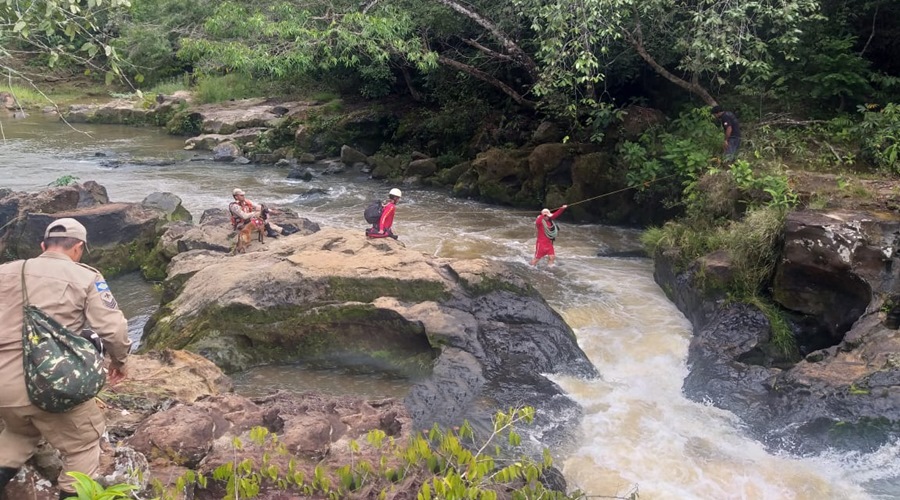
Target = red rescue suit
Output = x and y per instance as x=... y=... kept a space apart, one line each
x=544 y=245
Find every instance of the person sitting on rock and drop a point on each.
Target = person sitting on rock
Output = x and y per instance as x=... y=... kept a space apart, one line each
x=386 y=221
x=243 y=211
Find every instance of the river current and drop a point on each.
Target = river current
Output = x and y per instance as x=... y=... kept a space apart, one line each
x=639 y=431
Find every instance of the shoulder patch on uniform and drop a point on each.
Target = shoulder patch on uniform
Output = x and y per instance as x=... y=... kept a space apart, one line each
x=108 y=300
x=101 y=286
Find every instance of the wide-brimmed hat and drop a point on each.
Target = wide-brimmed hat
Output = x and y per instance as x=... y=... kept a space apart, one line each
x=71 y=228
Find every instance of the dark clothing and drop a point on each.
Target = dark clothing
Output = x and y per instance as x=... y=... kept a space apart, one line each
x=732 y=136
x=728 y=119
x=731 y=150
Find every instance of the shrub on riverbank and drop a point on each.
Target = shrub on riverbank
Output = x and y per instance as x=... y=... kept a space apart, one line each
x=743 y=252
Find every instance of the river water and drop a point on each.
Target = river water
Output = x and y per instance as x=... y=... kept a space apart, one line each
x=639 y=433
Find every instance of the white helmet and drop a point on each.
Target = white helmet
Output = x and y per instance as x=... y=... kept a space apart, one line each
x=395 y=192
x=237 y=191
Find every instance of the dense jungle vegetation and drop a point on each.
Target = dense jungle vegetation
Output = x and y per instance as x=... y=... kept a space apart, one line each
x=816 y=83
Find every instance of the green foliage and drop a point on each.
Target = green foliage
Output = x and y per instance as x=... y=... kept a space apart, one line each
x=750 y=243
x=171 y=85
x=184 y=122
x=880 y=130
x=228 y=87
x=830 y=69
x=685 y=149
x=704 y=39
x=62 y=31
x=452 y=123
x=752 y=247
x=782 y=339
x=149 y=35
x=32 y=96
x=449 y=465
x=65 y=180
x=88 y=489
x=284 y=40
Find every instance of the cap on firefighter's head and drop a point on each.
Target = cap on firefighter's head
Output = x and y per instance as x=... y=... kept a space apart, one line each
x=237 y=191
x=395 y=192
x=67 y=228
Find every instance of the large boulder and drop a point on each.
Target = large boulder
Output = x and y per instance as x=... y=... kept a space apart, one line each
x=837 y=280
x=228 y=117
x=209 y=142
x=551 y=175
x=470 y=330
x=168 y=203
x=120 y=235
x=176 y=411
x=118 y=112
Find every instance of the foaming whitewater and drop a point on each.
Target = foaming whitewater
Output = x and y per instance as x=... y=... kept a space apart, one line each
x=639 y=432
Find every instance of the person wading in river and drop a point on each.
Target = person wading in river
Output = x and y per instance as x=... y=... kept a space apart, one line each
x=546 y=234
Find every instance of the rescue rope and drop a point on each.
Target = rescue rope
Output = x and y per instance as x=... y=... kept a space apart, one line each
x=644 y=184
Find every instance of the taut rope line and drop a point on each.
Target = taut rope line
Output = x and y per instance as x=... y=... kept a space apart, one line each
x=645 y=184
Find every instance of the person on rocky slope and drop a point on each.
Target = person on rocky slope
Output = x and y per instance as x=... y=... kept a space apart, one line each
x=78 y=297
x=243 y=211
x=385 y=225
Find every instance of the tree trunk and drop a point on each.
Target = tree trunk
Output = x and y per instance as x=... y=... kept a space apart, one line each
x=511 y=47
x=692 y=86
x=481 y=75
x=416 y=95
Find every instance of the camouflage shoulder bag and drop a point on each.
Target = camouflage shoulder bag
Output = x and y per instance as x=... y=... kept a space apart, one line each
x=62 y=370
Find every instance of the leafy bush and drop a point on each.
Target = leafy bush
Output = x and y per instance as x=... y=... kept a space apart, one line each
x=445 y=464
x=228 y=87
x=64 y=181
x=88 y=489
x=880 y=132
x=752 y=246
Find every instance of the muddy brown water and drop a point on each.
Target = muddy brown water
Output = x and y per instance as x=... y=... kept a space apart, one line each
x=639 y=431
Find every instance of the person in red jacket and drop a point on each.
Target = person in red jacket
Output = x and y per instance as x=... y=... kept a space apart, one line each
x=546 y=234
x=385 y=223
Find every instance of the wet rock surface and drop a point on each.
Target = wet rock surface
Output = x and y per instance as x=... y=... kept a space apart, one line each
x=175 y=411
x=119 y=234
x=468 y=331
x=837 y=281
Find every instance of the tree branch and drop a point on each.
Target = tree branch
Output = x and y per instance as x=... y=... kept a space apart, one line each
x=481 y=75
x=636 y=41
x=488 y=51
x=872 y=34
x=508 y=44
x=416 y=95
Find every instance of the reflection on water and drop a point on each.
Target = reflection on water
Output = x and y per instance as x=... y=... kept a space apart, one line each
x=335 y=381
x=138 y=300
x=638 y=428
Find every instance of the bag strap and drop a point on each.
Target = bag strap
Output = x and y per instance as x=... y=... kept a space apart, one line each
x=24 y=289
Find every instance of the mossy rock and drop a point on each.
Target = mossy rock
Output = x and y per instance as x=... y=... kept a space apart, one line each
x=238 y=337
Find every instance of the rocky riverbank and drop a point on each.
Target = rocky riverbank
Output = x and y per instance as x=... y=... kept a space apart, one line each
x=543 y=171
x=471 y=335
x=837 y=282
